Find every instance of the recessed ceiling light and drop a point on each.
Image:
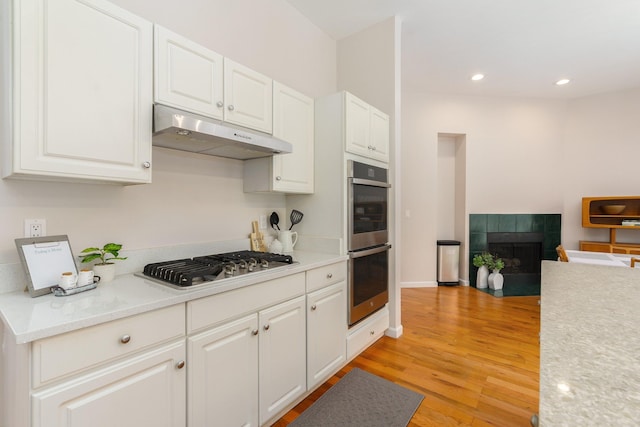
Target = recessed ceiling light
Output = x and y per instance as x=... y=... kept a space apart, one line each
x=477 y=77
x=562 y=82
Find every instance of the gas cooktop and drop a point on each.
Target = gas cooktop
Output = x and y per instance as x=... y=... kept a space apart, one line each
x=189 y=272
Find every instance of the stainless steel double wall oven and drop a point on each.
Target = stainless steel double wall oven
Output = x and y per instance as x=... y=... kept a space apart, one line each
x=368 y=239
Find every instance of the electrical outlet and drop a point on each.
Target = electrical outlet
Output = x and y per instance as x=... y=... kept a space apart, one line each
x=35 y=227
x=263 y=222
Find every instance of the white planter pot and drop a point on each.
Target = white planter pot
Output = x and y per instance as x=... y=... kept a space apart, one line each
x=481 y=278
x=106 y=272
x=495 y=280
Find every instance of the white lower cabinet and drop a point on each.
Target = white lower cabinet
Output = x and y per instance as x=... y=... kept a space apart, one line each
x=145 y=390
x=129 y=372
x=245 y=371
x=326 y=332
x=223 y=375
x=367 y=332
x=282 y=356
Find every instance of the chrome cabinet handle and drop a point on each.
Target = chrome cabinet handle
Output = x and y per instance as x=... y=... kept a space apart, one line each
x=313 y=307
x=254 y=332
x=329 y=276
x=219 y=104
x=266 y=327
x=372 y=332
x=146 y=165
x=180 y=364
x=125 y=339
x=278 y=178
x=230 y=107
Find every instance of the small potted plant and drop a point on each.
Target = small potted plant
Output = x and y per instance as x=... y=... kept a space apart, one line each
x=482 y=261
x=106 y=269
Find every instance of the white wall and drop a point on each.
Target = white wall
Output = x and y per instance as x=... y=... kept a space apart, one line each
x=513 y=155
x=192 y=198
x=602 y=156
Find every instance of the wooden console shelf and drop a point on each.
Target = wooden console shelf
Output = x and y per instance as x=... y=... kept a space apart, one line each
x=594 y=215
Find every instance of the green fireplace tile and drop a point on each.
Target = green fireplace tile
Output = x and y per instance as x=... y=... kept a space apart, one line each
x=537 y=225
x=477 y=223
x=507 y=223
x=493 y=223
x=477 y=242
x=552 y=222
x=524 y=223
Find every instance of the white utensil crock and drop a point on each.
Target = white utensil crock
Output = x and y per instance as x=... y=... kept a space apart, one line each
x=288 y=239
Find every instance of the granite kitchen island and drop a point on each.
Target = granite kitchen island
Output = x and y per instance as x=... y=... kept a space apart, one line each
x=589 y=345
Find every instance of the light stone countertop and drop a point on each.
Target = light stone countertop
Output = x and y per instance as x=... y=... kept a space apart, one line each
x=589 y=345
x=30 y=319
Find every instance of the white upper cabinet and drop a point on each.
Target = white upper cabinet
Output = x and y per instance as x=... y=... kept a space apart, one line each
x=191 y=77
x=82 y=92
x=293 y=121
x=187 y=75
x=366 y=129
x=379 y=135
x=248 y=97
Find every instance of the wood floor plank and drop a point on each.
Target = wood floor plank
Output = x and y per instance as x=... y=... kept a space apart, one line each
x=474 y=357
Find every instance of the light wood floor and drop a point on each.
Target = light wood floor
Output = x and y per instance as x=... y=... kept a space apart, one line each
x=474 y=357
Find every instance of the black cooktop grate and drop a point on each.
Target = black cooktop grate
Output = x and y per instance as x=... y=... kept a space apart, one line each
x=192 y=271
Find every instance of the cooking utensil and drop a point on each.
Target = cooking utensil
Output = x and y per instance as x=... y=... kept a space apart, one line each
x=274 y=219
x=295 y=217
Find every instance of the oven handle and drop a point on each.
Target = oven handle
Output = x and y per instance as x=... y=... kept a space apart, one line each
x=367 y=252
x=370 y=182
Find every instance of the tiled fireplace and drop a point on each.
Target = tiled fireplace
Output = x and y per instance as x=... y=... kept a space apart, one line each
x=521 y=240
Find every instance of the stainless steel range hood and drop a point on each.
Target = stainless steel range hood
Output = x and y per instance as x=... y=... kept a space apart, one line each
x=181 y=130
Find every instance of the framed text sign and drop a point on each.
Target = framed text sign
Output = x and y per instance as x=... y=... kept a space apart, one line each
x=44 y=260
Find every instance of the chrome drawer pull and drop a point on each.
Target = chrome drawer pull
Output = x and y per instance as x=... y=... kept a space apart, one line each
x=313 y=307
x=254 y=332
x=125 y=339
x=329 y=276
x=180 y=364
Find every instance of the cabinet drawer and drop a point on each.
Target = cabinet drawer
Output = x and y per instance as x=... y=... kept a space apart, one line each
x=76 y=351
x=209 y=311
x=367 y=333
x=325 y=276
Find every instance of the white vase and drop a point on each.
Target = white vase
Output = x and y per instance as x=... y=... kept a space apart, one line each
x=481 y=278
x=495 y=280
x=106 y=272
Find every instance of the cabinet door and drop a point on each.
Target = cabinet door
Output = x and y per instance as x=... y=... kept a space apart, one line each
x=186 y=75
x=357 y=125
x=379 y=135
x=293 y=121
x=82 y=91
x=223 y=375
x=282 y=358
x=326 y=332
x=147 y=390
x=248 y=97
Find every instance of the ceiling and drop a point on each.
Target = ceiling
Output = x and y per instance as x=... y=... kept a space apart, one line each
x=522 y=46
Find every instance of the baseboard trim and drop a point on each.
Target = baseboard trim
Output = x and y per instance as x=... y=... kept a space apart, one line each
x=394 y=332
x=429 y=284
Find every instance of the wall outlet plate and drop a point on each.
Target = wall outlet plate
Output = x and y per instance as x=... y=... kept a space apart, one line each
x=35 y=227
